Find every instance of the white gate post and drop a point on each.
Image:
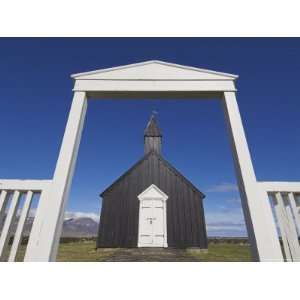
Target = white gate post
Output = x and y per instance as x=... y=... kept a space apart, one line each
x=256 y=206
x=47 y=226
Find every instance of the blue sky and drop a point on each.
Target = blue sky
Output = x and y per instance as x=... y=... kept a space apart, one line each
x=36 y=93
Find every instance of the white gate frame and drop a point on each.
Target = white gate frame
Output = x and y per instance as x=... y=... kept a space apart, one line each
x=154 y=79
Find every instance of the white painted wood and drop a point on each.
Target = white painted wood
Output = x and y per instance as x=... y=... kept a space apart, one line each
x=20 y=228
x=23 y=185
x=159 y=232
x=153 y=86
x=283 y=187
x=257 y=210
x=154 y=70
x=282 y=228
x=165 y=245
x=152 y=230
x=146 y=217
x=6 y=232
x=289 y=227
x=38 y=223
x=295 y=209
x=46 y=230
x=3 y=202
x=154 y=76
x=153 y=192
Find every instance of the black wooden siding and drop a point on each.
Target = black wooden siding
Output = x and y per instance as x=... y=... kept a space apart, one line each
x=120 y=206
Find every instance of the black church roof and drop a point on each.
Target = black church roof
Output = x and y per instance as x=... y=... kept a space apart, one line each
x=164 y=161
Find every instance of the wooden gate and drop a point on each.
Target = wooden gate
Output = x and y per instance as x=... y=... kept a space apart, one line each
x=150 y=80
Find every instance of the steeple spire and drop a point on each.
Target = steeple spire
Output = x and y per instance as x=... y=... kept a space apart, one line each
x=152 y=136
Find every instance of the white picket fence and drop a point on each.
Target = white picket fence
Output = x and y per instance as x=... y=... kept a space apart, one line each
x=11 y=192
x=284 y=197
x=285 y=200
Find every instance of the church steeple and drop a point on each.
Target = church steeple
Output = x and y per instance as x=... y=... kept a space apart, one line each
x=152 y=136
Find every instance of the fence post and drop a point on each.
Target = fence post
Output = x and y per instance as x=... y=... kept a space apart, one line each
x=257 y=210
x=47 y=226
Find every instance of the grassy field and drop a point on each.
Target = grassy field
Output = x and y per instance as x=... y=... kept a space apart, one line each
x=225 y=252
x=221 y=252
x=84 y=251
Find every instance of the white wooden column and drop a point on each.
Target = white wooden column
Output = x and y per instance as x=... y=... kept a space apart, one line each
x=295 y=209
x=47 y=226
x=257 y=210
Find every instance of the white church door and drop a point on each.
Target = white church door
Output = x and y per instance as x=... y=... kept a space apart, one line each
x=152 y=223
x=152 y=218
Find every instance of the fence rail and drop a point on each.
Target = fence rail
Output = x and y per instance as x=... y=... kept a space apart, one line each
x=285 y=201
x=12 y=191
x=284 y=196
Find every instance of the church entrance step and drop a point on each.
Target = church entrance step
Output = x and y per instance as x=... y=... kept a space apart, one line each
x=150 y=254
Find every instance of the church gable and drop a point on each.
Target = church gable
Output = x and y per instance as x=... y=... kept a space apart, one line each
x=150 y=170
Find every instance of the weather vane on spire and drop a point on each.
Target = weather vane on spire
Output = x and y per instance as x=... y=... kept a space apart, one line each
x=154 y=112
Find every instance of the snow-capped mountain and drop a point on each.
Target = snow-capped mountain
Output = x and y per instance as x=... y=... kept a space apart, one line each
x=72 y=227
x=80 y=227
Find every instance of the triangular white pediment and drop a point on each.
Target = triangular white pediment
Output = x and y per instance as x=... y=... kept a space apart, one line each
x=153 y=70
x=152 y=192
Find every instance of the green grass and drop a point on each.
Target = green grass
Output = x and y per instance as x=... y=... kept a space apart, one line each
x=225 y=252
x=84 y=251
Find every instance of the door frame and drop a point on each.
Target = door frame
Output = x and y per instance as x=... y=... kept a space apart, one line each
x=154 y=193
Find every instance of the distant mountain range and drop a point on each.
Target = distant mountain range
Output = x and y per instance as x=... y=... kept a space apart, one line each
x=81 y=227
x=74 y=227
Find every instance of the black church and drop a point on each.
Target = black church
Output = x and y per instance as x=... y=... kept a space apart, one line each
x=152 y=204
